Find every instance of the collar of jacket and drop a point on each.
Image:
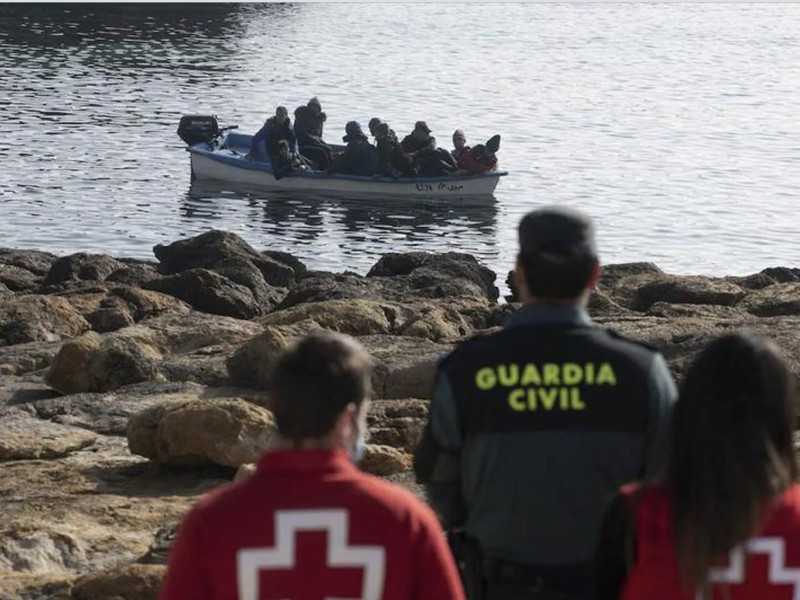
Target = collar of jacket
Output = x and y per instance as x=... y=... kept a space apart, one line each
x=546 y=314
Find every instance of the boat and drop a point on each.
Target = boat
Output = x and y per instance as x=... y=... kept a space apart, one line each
x=220 y=154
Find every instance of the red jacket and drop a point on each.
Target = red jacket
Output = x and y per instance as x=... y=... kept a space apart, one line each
x=476 y=161
x=766 y=567
x=308 y=525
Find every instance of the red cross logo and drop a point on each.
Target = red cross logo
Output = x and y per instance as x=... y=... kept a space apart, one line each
x=337 y=576
x=778 y=574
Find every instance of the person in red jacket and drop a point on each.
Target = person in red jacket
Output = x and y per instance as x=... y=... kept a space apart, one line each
x=480 y=158
x=723 y=521
x=308 y=525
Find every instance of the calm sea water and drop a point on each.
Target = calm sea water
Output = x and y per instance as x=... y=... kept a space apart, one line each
x=675 y=125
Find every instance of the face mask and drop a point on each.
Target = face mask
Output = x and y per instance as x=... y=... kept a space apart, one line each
x=361 y=443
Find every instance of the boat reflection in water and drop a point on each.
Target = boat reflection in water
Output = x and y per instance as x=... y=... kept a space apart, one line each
x=328 y=230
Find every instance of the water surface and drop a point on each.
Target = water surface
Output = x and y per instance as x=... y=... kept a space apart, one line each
x=673 y=124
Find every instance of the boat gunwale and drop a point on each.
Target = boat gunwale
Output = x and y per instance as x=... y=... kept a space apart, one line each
x=265 y=167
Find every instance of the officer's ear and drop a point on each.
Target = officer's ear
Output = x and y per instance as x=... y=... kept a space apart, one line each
x=520 y=282
x=594 y=278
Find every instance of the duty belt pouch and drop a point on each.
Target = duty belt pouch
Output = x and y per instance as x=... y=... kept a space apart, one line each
x=469 y=560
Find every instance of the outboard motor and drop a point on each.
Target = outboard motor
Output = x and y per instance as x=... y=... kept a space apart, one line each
x=194 y=129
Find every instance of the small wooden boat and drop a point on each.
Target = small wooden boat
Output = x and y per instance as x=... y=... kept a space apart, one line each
x=221 y=155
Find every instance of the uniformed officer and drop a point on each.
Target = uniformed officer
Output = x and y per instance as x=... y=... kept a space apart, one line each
x=308 y=524
x=533 y=429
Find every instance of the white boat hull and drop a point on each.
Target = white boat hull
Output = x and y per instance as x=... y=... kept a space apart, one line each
x=221 y=165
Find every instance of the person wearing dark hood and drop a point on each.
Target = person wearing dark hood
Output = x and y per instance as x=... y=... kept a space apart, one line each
x=287 y=162
x=359 y=157
x=308 y=124
x=417 y=139
x=431 y=161
x=373 y=127
x=391 y=159
x=459 y=144
x=481 y=158
x=264 y=144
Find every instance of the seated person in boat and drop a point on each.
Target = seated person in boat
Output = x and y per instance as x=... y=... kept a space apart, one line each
x=373 y=127
x=417 y=139
x=287 y=161
x=431 y=161
x=308 y=123
x=359 y=157
x=482 y=158
x=265 y=142
x=392 y=161
x=459 y=144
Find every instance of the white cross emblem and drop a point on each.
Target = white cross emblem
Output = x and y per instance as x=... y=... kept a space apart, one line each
x=372 y=559
x=778 y=573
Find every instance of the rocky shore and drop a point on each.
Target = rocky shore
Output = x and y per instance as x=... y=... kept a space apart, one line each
x=129 y=388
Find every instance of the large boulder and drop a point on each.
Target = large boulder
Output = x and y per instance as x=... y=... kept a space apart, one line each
x=134 y=273
x=397 y=423
x=404 y=366
x=109 y=308
x=340 y=286
x=227 y=432
x=384 y=460
x=17 y=279
x=352 y=317
x=209 y=292
x=23 y=437
x=131 y=582
x=640 y=292
x=439 y=275
x=36 y=318
x=250 y=364
x=212 y=249
x=291 y=261
x=773 y=301
x=783 y=274
x=69 y=369
x=81 y=267
x=610 y=275
x=35 y=261
x=433 y=322
x=95 y=364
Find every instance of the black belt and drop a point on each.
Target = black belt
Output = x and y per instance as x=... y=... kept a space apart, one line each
x=571 y=577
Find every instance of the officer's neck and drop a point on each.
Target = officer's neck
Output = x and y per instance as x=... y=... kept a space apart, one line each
x=332 y=441
x=580 y=302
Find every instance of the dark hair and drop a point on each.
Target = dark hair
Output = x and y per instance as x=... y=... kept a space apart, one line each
x=314 y=381
x=731 y=449
x=557 y=275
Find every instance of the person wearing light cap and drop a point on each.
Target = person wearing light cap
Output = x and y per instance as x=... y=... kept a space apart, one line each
x=532 y=429
x=459 y=144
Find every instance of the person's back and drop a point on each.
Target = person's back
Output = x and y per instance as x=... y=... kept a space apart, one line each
x=359 y=157
x=533 y=427
x=355 y=536
x=480 y=158
x=434 y=162
x=391 y=159
x=308 y=523
x=308 y=124
x=744 y=574
x=418 y=139
x=721 y=520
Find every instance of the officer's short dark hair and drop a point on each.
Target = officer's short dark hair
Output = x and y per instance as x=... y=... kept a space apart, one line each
x=557 y=252
x=313 y=381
